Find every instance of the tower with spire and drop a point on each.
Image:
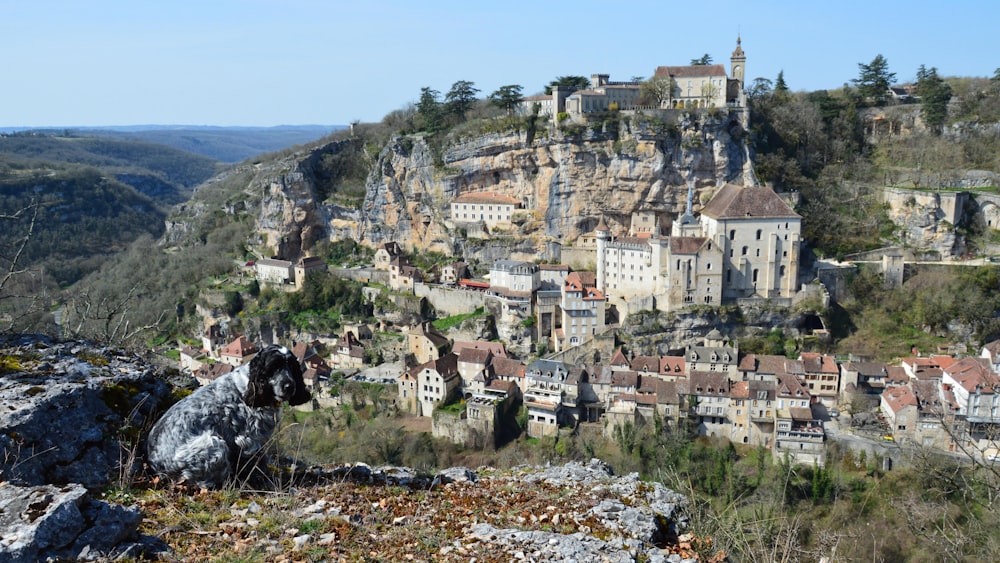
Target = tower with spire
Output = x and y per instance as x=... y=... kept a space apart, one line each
x=738 y=63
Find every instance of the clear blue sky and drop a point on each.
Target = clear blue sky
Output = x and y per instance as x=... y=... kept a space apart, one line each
x=271 y=62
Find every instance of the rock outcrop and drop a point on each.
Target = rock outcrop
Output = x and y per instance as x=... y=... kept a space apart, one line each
x=566 y=182
x=565 y=177
x=73 y=412
x=72 y=421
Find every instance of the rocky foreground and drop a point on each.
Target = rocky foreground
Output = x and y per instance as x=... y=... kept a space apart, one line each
x=72 y=487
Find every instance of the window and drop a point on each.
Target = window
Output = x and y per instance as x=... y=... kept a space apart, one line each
x=732 y=234
x=759 y=233
x=744 y=252
x=755 y=276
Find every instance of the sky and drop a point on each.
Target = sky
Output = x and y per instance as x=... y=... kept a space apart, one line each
x=81 y=63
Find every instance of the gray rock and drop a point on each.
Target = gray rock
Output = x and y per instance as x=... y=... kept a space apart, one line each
x=455 y=475
x=75 y=412
x=547 y=546
x=64 y=523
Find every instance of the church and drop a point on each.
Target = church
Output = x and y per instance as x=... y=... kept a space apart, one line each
x=743 y=245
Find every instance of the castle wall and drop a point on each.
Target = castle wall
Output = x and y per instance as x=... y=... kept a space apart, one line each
x=450 y=301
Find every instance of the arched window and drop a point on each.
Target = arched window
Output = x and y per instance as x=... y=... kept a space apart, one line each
x=759 y=233
x=732 y=234
x=744 y=253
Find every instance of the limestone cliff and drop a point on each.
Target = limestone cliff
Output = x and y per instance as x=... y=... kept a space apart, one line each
x=565 y=179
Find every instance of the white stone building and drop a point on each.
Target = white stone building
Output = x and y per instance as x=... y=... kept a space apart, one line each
x=270 y=270
x=487 y=208
x=759 y=236
x=583 y=310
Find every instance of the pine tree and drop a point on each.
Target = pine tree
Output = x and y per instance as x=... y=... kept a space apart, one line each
x=874 y=79
x=934 y=94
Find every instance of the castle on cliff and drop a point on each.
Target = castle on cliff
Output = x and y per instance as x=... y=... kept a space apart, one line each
x=744 y=244
x=690 y=87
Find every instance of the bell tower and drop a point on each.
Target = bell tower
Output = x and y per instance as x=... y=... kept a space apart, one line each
x=738 y=63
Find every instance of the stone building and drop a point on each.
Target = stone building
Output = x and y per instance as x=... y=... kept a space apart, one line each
x=490 y=209
x=746 y=244
x=385 y=254
x=583 y=310
x=759 y=236
x=306 y=266
x=270 y=270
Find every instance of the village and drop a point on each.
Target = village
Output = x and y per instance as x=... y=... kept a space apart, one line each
x=735 y=251
x=555 y=358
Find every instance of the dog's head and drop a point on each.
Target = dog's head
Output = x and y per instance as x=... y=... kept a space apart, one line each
x=275 y=377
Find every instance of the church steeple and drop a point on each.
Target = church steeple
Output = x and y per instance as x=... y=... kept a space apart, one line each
x=738 y=62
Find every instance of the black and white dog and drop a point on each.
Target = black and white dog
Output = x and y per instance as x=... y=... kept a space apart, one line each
x=207 y=436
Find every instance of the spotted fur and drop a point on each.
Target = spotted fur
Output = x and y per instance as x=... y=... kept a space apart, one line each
x=223 y=426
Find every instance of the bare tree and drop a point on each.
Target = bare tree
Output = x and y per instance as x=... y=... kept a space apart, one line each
x=106 y=318
x=16 y=304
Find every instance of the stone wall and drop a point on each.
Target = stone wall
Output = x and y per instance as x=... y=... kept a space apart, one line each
x=447 y=301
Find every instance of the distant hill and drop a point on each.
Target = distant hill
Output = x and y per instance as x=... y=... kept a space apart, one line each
x=225 y=144
x=96 y=196
x=164 y=173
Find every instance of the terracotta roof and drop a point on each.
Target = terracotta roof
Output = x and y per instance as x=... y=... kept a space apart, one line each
x=765 y=364
x=740 y=390
x=993 y=348
x=474 y=356
x=211 y=372
x=738 y=202
x=896 y=374
x=789 y=386
x=645 y=363
x=487 y=198
x=672 y=364
x=239 y=348
x=813 y=362
x=801 y=413
x=690 y=71
x=618 y=359
x=686 y=245
x=971 y=373
x=496 y=348
x=709 y=383
x=899 y=397
x=942 y=362
x=507 y=367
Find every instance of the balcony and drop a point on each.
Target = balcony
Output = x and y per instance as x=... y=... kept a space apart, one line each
x=814 y=435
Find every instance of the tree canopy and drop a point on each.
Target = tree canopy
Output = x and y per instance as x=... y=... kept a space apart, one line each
x=507 y=97
x=934 y=94
x=570 y=82
x=874 y=79
x=705 y=59
x=460 y=98
x=658 y=90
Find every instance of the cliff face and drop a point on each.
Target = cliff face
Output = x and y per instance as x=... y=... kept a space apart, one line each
x=565 y=177
x=564 y=182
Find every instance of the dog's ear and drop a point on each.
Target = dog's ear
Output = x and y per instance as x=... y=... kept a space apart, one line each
x=259 y=392
x=302 y=395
